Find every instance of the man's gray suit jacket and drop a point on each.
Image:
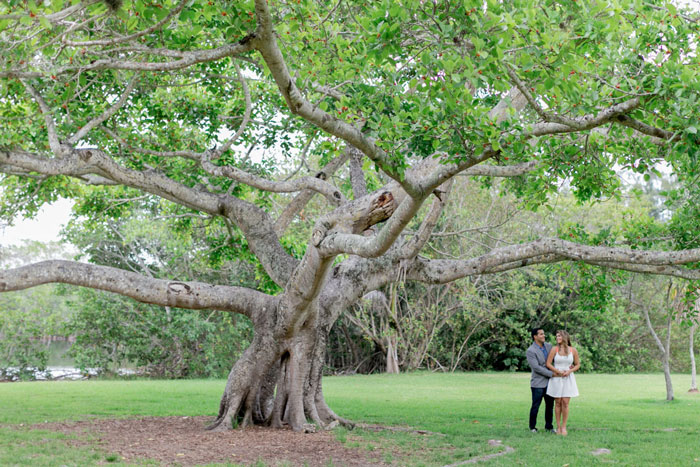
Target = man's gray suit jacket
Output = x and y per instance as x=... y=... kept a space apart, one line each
x=540 y=373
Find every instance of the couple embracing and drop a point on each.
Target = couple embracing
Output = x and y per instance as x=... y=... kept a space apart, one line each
x=552 y=378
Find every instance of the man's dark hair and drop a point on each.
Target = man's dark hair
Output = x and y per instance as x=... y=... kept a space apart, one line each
x=534 y=331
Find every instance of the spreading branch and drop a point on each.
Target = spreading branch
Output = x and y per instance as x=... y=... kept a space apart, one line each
x=501 y=170
x=106 y=115
x=190 y=295
x=657 y=134
x=266 y=43
x=302 y=199
x=53 y=17
x=54 y=141
x=253 y=221
x=413 y=246
x=332 y=194
x=554 y=249
x=246 y=115
x=586 y=122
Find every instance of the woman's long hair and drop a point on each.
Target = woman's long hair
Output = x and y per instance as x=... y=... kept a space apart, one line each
x=565 y=340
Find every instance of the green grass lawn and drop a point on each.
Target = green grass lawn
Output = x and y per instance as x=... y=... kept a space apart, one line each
x=627 y=414
x=624 y=413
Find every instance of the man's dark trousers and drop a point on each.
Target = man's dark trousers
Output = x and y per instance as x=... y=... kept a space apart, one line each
x=537 y=395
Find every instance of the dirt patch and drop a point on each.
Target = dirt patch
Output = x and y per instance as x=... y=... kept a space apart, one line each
x=183 y=441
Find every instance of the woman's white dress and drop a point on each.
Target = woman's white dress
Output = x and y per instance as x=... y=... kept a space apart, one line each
x=566 y=386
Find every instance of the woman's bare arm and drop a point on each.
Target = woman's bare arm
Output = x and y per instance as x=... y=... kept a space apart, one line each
x=575 y=366
x=577 y=362
x=550 y=360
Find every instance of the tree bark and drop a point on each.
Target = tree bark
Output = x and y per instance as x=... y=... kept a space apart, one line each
x=392 y=359
x=667 y=360
x=277 y=381
x=665 y=350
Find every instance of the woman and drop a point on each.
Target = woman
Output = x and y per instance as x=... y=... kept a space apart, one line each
x=563 y=361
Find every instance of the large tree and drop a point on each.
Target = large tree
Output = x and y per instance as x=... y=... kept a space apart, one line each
x=394 y=98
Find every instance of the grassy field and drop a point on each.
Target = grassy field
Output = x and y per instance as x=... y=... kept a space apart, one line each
x=626 y=414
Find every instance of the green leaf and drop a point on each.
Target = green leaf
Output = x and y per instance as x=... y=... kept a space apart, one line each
x=45 y=22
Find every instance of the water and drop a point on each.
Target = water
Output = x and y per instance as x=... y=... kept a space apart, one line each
x=62 y=367
x=68 y=373
x=64 y=372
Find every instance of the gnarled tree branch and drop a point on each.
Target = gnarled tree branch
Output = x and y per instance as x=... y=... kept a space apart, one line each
x=80 y=134
x=253 y=221
x=266 y=44
x=190 y=295
x=54 y=141
x=298 y=203
x=554 y=249
x=413 y=246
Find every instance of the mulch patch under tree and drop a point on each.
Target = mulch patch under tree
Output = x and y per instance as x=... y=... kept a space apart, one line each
x=184 y=441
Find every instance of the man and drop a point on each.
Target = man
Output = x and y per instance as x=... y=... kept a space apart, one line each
x=537 y=358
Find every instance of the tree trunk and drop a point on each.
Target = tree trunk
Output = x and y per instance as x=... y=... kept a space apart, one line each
x=392 y=359
x=667 y=377
x=693 y=381
x=665 y=350
x=277 y=382
x=667 y=359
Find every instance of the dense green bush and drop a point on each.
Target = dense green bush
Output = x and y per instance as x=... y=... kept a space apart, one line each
x=112 y=332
